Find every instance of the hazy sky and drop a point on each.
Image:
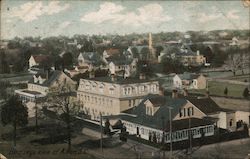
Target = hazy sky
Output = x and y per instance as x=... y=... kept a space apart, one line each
x=50 y=18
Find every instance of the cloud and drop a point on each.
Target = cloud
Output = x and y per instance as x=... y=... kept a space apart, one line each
x=145 y=15
x=64 y=24
x=232 y=14
x=32 y=10
x=203 y=18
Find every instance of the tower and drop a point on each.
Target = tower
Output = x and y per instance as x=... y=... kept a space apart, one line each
x=150 y=47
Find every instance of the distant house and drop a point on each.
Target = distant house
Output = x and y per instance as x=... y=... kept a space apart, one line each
x=89 y=59
x=37 y=60
x=122 y=66
x=189 y=81
x=110 y=52
x=42 y=83
x=184 y=54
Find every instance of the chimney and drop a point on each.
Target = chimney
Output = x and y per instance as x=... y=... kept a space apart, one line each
x=142 y=76
x=207 y=94
x=174 y=93
x=185 y=92
x=198 y=52
x=113 y=78
x=91 y=74
x=161 y=91
x=47 y=74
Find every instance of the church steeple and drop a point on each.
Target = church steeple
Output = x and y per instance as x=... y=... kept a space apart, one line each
x=150 y=43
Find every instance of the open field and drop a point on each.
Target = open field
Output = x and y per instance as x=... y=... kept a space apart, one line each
x=241 y=78
x=217 y=88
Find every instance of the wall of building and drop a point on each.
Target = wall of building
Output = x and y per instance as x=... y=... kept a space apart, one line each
x=194 y=112
x=180 y=135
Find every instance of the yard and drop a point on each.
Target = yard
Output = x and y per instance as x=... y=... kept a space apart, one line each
x=217 y=88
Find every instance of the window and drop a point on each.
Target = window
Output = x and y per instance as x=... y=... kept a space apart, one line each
x=111 y=90
x=231 y=122
x=129 y=103
x=184 y=112
x=101 y=88
x=180 y=112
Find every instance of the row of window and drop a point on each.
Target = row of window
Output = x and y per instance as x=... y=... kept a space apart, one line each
x=95 y=100
x=140 y=89
x=186 y=112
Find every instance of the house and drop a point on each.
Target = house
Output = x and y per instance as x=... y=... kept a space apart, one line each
x=91 y=60
x=151 y=118
x=122 y=66
x=110 y=52
x=38 y=60
x=183 y=53
x=189 y=81
x=40 y=85
x=112 y=95
x=201 y=116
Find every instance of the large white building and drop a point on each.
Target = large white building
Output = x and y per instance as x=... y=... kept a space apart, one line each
x=112 y=95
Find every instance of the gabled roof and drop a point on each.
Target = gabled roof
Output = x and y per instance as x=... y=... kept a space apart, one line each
x=52 y=77
x=206 y=105
x=91 y=57
x=120 y=60
x=155 y=121
x=41 y=58
x=113 y=51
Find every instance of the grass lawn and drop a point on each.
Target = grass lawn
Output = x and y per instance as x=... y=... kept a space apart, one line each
x=241 y=78
x=217 y=88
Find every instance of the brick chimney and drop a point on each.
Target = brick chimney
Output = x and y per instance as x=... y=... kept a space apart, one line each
x=185 y=92
x=91 y=74
x=113 y=77
x=142 y=76
x=161 y=91
x=174 y=93
x=207 y=94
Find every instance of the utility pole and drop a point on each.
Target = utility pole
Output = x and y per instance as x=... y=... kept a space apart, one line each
x=170 y=131
x=163 y=136
x=190 y=136
x=36 y=115
x=101 y=132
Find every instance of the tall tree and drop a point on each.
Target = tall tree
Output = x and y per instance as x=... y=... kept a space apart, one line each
x=64 y=104
x=246 y=93
x=15 y=113
x=233 y=62
x=225 y=91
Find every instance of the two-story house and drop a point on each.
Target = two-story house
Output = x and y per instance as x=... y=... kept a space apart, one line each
x=41 y=83
x=37 y=60
x=199 y=115
x=189 y=81
x=90 y=60
x=112 y=95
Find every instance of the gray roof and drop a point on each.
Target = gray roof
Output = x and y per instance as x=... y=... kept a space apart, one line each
x=92 y=57
x=121 y=80
x=162 y=113
x=120 y=60
x=53 y=76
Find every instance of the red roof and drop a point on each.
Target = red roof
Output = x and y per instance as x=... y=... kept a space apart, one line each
x=112 y=51
x=40 y=58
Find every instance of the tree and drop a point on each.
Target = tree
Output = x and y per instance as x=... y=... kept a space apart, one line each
x=246 y=93
x=67 y=60
x=225 y=91
x=233 y=63
x=14 y=113
x=62 y=100
x=106 y=127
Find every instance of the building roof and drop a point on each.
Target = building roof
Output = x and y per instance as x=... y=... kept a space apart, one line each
x=113 y=51
x=120 y=80
x=154 y=121
x=120 y=60
x=206 y=105
x=91 y=57
x=41 y=58
x=188 y=76
x=52 y=77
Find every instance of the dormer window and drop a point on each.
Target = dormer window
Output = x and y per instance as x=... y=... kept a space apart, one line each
x=149 y=111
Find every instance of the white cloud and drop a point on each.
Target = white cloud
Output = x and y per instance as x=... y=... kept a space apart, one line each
x=203 y=17
x=32 y=10
x=145 y=15
x=64 y=24
x=232 y=14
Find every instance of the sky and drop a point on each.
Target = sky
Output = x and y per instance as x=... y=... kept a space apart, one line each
x=52 y=18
